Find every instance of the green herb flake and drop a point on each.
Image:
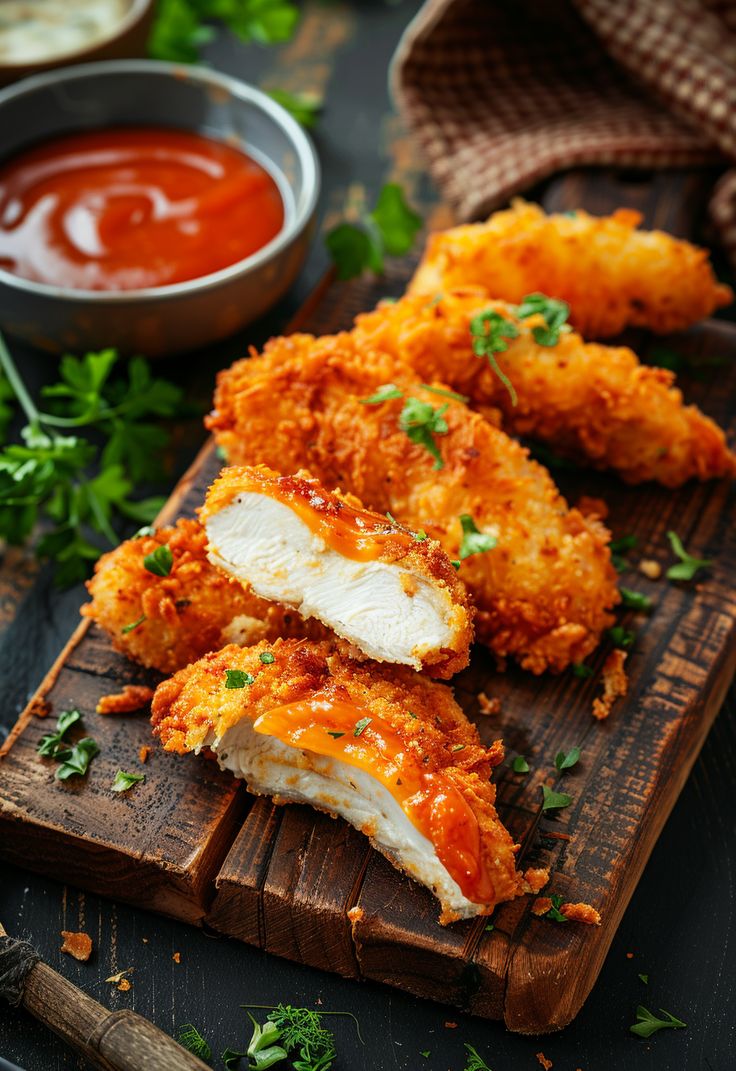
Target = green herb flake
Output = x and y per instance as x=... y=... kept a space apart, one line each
x=567 y=761
x=146 y=530
x=474 y=541
x=124 y=781
x=619 y=548
x=133 y=625
x=455 y=563
x=489 y=927
x=634 y=600
x=389 y=230
x=474 y=1061
x=386 y=393
x=444 y=393
x=74 y=761
x=520 y=765
x=396 y=222
x=334 y=735
x=52 y=742
x=426 y=1053
x=159 y=561
x=237 y=678
x=688 y=566
x=458 y=747
x=304 y=107
x=420 y=536
x=554 y=312
x=644 y=978
x=554 y=912
x=647 y=1024
x=267 y=658
x=181 y=27
x=582 y=671
x=190 y=1039
x=553 y=801
x=361 y=726
x=412 y=715
x=621 y=637
x=421 y=422
x=490 y=333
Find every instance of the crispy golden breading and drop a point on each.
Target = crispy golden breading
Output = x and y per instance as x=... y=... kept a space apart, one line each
x=132 y=698
x=612 y=275
x=186 y=613
x=615 y=683
x=542 y=594
x=407 y=719
x=352 y=537
x=585 y=400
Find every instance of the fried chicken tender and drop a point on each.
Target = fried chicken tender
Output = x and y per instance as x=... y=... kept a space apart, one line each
x=394 y=595
x=384 y=748
x=586 y=400
x=543 y=592
x=611 y=274
x=177 y=618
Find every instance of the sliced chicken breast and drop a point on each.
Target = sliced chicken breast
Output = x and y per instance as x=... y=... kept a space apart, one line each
x=394 y=594
x=382 y=747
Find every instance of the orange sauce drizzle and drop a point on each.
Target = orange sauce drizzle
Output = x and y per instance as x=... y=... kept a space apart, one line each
x=430 y=800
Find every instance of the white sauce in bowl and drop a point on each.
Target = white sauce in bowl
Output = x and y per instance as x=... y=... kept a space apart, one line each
x=32 y=31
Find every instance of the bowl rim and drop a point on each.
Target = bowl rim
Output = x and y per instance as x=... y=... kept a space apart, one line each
x=207 y=78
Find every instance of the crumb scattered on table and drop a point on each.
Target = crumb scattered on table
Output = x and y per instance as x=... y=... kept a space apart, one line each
x=535 y=878
x=593 y=507
x=541 y=905
x=615 y=684
x=133 y=697
x=451 y=1026
x=119 y=978
x=143 y=753
x=488 y=706
x=544 y=1062
x=581 y=913
x=176 y=957
x=356 y=914
x=124 y=985
x=78 y=945
x=39 y=707
x=650 y=569
x=629 y=955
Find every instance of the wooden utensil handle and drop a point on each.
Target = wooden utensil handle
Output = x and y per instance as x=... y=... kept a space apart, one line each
x=113 y=1041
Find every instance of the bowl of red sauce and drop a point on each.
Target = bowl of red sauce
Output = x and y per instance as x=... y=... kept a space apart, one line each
x=147 y=206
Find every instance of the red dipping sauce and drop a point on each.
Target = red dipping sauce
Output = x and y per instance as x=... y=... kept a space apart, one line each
x=124 y=209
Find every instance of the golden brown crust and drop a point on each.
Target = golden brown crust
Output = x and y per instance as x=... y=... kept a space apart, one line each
x=78 y=945
x=185 y=613
x=586 y=400
x=341 y=519
x=615 y=683
x=542 y=594
x=612 y=275
x=133 y=697
x=581 y=913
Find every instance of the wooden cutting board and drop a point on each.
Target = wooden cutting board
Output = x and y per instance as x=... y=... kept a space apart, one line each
x=191 y=843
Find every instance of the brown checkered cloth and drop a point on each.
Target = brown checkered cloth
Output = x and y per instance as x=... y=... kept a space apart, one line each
x=503 y=93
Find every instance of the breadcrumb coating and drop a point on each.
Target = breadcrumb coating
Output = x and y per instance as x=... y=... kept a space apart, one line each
x=587 y=401
x=133 y=697
x=542 y=594
x=186 y=613
x=615 y=683
x=611 y=274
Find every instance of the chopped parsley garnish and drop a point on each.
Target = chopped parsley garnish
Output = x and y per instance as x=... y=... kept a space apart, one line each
x=644 y=978
x=520 y=765
x=133 y=625
x=554 y=912
x=582 y=671
x=489 y=927
x=390 y=229
x=123 y=780
x=647 y=1024
x=267 y=658
x=490 y=333
x=458 y=747
x=420 y=536
x=146 y=530
x=634 y=600
x=361 y=725
x=237 y=678
x=421 y=422
x=687 y=566
x=426 y=1053
x=553 y=801
x=75 y=760
x=555 y=315
x=412 y=715
x=159 y=561
x=190 y=1039
x=619 y=548
x=567 y=761
x=181 y=27
x=334 y=735
x=304 y=107
x=474 y=541
x=621 y=637
x=52 y=742
x=474 y=1061
x=443 y=393
x=386 y=393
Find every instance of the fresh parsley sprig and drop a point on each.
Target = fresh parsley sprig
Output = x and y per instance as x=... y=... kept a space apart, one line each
x=53 y=742
x=389 y=230
x=647 y=1023
x=490 y=332
x=474 y=541
x=554 y=801
x=304 y=107
x=181 y=27
x=74 y=761
x=421 y=422
x=554 y=312
x=191 y=1040
x=688 y=566
x=554 y=912
x=124 y=781
x=474 y=1061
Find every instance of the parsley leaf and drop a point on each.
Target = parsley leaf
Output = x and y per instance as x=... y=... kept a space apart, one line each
x=520 y=765
x=159 y=561
x=133 y=625
x=688 y=566
x=304 y=107
x=180 y=26
x=474 y=1061
x=191 y=1040
x=386 y=393
x=237 y=678
x=361 y=726
x=123 y=780
x=421 y=422
x=390 y=229
x=555 y=315
x=567 y=761
x=52 y=742
x=644 y=978
x=634 y=600
x=266 y=657
x=619 y=548
x=647 y=1024
x=490 y=333
x=443 y=393
x=231 y=1059
x=474 y=541
x=554 y=912
x=76 y=759
x=582 y=671
x=334 y=734
x=621 y=637
x=553 y=801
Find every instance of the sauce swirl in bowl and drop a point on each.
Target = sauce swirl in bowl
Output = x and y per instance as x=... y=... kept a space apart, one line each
x=132 y=208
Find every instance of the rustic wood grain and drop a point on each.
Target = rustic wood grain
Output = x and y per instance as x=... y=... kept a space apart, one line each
x=290 y=876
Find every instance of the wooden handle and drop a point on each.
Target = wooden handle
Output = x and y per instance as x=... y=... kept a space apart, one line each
x=113 y=1041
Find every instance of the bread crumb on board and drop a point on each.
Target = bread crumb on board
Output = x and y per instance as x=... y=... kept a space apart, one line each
x=650 y=569
x=78 y=945
x=593 y=507
x=615 y=684
x=133 y=697
x=488 y=706
x=39 y=707
x=176 y=956
x=124 y=985
x=143 y=753
x=573 y=912
x=543 y=1061
x=534 y=879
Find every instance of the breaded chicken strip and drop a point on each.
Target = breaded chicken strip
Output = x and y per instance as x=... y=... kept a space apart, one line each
x=610 y=274
x=583 y=399
x=387 y=750
x=544 y=590
x=166 y=618
x=393 y=594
